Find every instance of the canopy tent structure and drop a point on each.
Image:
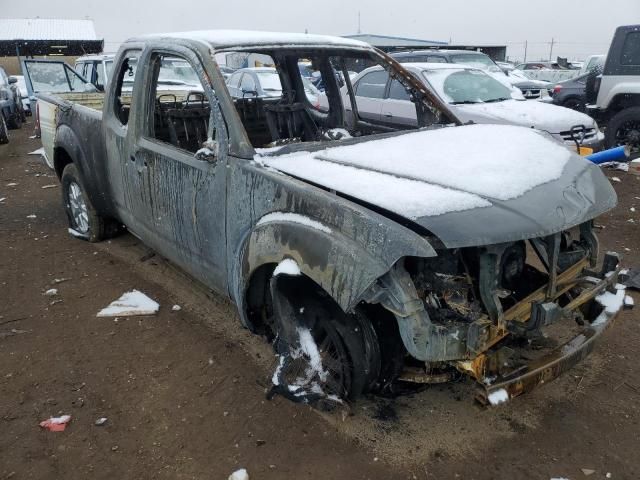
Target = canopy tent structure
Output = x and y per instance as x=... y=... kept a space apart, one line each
x=26 y=37
x=393 y=44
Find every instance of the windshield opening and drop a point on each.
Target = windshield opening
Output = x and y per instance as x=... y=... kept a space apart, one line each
x=295 y=95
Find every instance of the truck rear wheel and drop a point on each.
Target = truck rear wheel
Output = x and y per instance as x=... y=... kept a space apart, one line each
x=624 y=129
x=4 y=135
x=84 y=221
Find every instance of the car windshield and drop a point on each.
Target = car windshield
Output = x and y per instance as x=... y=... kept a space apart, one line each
x=174 y=72
x=270 y=81
x=466 y=86
x=477 y=60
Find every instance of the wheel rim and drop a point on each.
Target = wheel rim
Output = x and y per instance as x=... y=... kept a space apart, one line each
x=78 y=208
x=629 y=134
x=308 y=384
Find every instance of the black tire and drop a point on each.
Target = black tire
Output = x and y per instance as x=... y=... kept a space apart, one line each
x=347 y=344
x=14 y=122
x=21 y=111
x=4 y=134
x=574 y=103
x=624 y=129
x=84 y=221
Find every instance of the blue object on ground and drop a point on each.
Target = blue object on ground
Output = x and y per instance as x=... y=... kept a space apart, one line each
x=617 y=154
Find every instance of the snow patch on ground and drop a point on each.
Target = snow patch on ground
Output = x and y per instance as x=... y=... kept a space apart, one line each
x=498 y=397
x=239 y=475
x=288 y=266
x=130 y=304
x=39 y=151
x=293 y=218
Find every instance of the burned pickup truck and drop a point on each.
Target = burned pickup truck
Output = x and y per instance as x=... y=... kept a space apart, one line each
x=366 y=253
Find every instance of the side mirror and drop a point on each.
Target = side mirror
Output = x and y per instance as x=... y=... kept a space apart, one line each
x=12 y=79
x=208 y=152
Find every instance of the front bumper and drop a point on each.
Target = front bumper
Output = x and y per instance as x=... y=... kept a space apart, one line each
x=495 y=388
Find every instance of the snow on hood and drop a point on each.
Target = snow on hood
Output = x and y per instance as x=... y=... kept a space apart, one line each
x=543 y=116
x=433 y=172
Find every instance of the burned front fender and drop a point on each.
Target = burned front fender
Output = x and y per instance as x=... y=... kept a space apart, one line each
x=340 y=245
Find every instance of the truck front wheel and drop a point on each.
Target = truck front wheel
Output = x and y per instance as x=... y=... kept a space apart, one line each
x=84 y=221
x=324 y=352
x=624 y=129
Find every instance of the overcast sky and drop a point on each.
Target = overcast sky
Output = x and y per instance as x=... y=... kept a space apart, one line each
x=579 y=27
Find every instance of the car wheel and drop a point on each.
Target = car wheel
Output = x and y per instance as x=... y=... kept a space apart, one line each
x=4 y=134
x=624 y=129
x=14 y=121
x=347 y=361
x=84 y=222
x=574 y=104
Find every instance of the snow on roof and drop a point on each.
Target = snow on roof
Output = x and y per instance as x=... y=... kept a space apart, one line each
x=46 y=29
x=249 y=38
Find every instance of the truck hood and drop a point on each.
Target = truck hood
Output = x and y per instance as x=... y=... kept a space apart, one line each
x=543 y=116
x=470 y=185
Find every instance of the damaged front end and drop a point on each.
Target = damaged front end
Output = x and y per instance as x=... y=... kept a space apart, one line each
x=512 y=315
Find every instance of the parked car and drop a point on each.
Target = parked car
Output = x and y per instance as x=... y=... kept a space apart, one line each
x=226 y=71
x=264 y=82
x=531 y=89
x=473 y=95
x=592 y=62
x=10 y=104
x=617 y=90
x=571 y=93
x=356 y=248
x=95 y=68
x=24 y=94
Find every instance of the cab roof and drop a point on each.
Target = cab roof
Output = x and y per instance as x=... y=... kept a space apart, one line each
x=220 y=39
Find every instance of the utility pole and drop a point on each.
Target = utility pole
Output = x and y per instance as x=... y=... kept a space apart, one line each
x=526 y=43
x=551 y=50
x=359 y=31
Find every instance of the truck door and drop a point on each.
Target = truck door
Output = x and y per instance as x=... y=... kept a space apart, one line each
x=118 y=136
x=179 y=154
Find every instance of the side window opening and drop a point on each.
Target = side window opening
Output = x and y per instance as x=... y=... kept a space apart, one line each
x=124 y=86
x=288 y=96
x=181 y=110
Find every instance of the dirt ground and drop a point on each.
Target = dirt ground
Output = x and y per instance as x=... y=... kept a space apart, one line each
x=184 y=392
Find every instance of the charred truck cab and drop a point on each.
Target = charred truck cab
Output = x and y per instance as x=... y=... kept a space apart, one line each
x=368 y=254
